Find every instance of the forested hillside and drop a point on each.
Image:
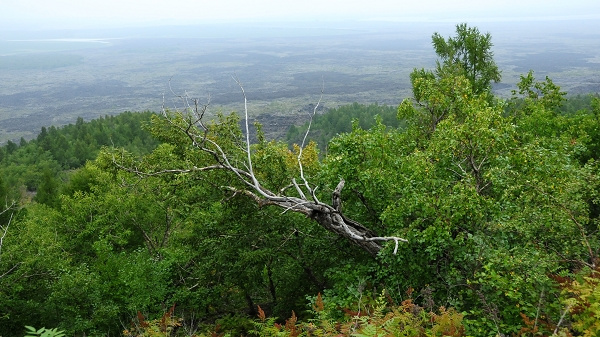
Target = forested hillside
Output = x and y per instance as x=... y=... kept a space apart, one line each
x=57 y=151
x=457 y=213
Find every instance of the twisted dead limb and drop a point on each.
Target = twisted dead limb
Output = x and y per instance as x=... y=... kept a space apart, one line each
x=329 y=216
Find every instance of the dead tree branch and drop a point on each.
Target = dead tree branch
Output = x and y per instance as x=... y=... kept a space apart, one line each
x=329 y=216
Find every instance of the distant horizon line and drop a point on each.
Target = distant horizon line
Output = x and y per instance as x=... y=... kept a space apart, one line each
x=245 y=22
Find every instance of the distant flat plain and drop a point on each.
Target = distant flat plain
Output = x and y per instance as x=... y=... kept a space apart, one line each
x=53 y=77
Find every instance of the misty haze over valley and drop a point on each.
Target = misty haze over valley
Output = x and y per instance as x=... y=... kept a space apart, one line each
x=53 y=77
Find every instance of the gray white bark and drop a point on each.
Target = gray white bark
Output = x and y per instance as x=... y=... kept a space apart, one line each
x=329 y=216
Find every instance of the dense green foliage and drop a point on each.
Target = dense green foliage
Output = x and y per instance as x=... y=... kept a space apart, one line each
x=499 y=201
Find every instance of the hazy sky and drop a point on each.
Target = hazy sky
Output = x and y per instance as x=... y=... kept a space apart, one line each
x=44 y=14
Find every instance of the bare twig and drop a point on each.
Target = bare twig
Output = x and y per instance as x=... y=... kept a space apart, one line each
x=562 y=317
x=306 y=184
x=4 y=228
x=11 y=269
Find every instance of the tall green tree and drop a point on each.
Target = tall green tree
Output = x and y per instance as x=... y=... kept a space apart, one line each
x=472 y=52
x=441 y=93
